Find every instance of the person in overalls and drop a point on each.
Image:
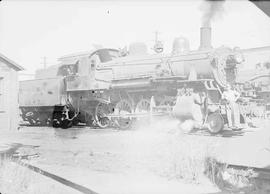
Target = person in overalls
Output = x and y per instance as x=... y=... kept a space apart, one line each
x=233 y=111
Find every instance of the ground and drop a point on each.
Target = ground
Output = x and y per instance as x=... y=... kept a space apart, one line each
x=156 y=158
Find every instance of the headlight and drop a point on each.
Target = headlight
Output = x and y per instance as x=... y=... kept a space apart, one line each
x=239 y=58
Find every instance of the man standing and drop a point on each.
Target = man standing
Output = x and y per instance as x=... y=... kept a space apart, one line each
x=233 y=111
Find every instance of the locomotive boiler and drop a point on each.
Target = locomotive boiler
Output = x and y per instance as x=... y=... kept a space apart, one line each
x=107 y=87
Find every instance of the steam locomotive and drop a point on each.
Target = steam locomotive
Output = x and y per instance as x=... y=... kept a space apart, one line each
x=108 y=87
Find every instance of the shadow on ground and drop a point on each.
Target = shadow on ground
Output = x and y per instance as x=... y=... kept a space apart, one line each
x=225 y=133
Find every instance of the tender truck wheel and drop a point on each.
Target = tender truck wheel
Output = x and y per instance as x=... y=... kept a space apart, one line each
x=57 y=116
x=56 y=123
x=32 y=122
x=215 y=123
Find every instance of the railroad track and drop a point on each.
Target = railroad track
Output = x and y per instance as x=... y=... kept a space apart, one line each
x=55 y=177
x=13 y=156
x=258 y=173
x=238 y=178
x=228 y=177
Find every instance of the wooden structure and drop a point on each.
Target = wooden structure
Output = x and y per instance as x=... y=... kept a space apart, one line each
x=9 y=86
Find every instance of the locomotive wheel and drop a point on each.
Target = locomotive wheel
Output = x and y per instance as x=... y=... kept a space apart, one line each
x=56 y=123
x=101 y=112
x=56 y=120
x=31 y=121
x=143 y=106
x=123 y=107
x=215 y=123
x=43 y=119
x=31 y=118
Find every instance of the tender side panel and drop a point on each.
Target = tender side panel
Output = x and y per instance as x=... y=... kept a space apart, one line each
x=42 y=92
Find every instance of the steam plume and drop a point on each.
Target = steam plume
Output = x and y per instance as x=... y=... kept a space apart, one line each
x=211 y=10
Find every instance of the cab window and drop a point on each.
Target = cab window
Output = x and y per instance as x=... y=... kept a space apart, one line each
x=67 y=70
x=106 y=55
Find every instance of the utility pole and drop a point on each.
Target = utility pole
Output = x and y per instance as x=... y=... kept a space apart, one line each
x=44 y=62
x=156 y=36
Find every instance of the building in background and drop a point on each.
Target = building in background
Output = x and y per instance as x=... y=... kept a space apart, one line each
x=9 y=88
x=254 y=74
x=253 y=81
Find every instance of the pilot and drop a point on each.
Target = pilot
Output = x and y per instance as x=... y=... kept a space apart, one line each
x=233 y=111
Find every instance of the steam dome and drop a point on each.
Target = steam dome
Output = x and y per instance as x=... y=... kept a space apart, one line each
x=180 y=44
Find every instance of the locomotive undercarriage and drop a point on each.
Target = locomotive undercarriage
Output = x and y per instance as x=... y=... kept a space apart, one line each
x=37 y=115
x=98 y=111
x=121 y=108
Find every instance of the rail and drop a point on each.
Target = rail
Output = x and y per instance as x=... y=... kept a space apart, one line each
x=238 y=178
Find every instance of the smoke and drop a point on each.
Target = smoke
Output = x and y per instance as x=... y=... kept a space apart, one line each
x=211 y=11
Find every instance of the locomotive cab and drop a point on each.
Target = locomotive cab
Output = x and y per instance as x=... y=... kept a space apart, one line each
x=83 y=64
x=85 y=72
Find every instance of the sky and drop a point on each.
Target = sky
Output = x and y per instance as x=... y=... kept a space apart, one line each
x=31 y=30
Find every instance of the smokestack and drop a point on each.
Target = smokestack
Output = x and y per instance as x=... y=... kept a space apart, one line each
x=211 y=10
x=205 y=35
